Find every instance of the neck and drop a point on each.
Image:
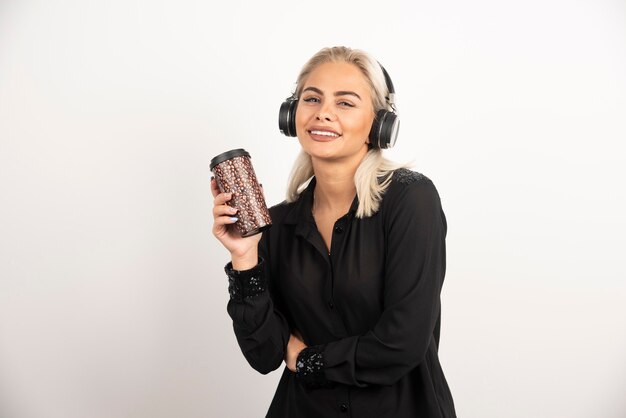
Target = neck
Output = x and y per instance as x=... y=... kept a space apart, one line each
x=334 y=188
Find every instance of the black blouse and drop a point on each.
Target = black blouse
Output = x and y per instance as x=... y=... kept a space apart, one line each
x=369 y=311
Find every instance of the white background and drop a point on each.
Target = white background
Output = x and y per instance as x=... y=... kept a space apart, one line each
x=112 y=294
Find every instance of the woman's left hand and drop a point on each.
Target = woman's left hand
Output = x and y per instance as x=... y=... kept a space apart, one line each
x=294 y=346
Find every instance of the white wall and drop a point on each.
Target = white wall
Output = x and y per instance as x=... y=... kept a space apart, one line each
x=112 y=294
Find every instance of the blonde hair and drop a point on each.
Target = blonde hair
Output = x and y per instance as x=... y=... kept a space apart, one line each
x=373 y=175
x=371 y=179
x=370 y=68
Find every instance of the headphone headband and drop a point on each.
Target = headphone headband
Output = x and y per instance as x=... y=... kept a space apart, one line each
x=387 y=80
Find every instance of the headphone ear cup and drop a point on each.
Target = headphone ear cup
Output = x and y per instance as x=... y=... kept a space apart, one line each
x=375 y=131
x=389 y=130
x=287 y=117
x=384 y=130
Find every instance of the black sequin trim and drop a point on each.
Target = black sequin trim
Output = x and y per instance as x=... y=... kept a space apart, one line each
x=406 y=176
x=310 y=368
x=246 y=283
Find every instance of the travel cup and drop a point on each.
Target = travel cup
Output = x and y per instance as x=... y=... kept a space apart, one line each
x=234 y=174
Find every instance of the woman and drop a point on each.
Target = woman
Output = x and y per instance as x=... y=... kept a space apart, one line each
x=344 y=287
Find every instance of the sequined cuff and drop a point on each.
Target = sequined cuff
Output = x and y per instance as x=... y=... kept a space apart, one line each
x=310 y=368
x=246 y=283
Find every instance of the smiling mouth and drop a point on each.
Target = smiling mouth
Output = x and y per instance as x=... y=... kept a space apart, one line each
x=324 y=133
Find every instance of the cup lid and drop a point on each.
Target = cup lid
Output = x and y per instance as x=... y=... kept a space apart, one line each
x=228 y=155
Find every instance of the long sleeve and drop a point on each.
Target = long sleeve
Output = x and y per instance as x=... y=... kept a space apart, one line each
x=262 y=331
x=415 y=229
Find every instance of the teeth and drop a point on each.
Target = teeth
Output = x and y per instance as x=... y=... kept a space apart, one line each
x=324 y=133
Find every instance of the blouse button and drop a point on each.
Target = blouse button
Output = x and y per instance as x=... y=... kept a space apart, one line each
x=338 y=229
x=343 y=407
x=331 y=305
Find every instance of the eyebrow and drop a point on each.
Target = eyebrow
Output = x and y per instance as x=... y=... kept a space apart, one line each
x=336 y=94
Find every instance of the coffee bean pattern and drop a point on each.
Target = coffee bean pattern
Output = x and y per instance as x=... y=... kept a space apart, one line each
x=237 y=176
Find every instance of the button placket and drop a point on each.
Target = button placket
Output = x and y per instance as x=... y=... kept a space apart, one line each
x=337 y=243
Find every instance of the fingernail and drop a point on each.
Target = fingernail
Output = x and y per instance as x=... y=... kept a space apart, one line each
x=234 y=219
x=232 y=210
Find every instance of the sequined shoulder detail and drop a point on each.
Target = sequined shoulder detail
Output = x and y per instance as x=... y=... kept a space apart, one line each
x=406 y=176
x=246 y=283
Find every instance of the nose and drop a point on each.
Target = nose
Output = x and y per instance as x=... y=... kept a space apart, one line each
x=325 y=113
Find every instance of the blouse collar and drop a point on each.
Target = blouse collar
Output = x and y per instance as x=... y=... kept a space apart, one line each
x=301 y=211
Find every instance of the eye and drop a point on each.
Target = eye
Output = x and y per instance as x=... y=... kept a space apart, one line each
x=343 y=103
x=311 y=99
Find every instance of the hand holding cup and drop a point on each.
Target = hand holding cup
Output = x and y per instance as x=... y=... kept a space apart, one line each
x=240 y=213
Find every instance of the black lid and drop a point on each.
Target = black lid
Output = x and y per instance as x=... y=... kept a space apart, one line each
x=228 y=155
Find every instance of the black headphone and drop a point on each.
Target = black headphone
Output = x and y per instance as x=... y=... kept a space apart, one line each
x=384 y=130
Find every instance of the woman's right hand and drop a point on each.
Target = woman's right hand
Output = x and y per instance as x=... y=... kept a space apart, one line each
x=243 y=251
x=294 y=346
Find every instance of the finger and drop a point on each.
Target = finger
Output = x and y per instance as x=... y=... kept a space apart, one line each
x=215 y=190
x=222 y=198
x=222 y=221
x=223 y=210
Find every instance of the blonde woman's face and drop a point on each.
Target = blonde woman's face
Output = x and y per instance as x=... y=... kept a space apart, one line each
x=335 y=114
